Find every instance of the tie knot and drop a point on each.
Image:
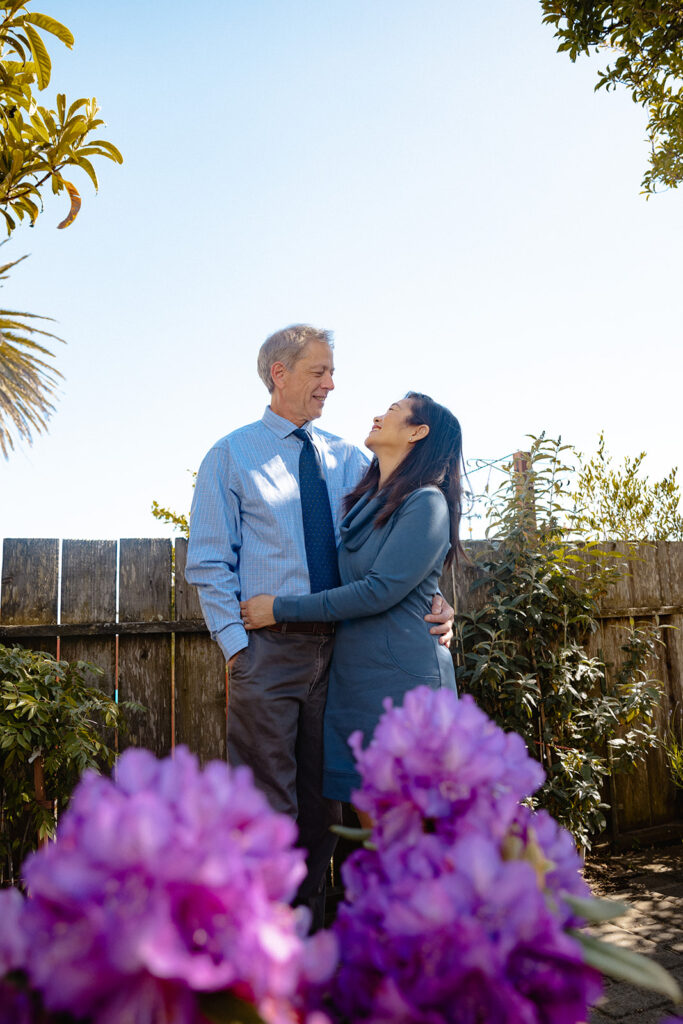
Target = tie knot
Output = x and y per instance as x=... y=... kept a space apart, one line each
x=302 y=434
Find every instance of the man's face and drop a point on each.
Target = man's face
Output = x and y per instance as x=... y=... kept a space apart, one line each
x=302 y=390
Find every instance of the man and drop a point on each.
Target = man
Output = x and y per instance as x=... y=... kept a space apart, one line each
x=264 y=519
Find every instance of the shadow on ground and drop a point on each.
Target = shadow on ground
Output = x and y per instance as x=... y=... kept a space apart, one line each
x=650 y=882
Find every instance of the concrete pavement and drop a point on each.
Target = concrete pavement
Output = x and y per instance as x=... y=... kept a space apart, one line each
x=650 y=882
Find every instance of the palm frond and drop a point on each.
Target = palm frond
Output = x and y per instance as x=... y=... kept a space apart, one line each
x=28 y=381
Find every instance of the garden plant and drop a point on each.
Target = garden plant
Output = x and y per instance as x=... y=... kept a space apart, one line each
x=40 y=148
x=52 y=728
x=643 y=41
x=523 y=655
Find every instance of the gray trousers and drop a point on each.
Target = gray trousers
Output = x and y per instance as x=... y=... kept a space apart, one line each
x=276 y=701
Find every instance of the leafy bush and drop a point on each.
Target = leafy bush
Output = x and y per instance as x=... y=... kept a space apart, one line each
x=523 y=657
x=52 y=723
x=620 y=503
x=673 y=747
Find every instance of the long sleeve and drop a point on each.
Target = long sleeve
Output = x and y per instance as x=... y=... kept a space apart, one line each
x=417 y=544
x=214 y=550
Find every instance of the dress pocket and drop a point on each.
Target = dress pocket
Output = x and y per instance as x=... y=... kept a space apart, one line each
x=411 y=648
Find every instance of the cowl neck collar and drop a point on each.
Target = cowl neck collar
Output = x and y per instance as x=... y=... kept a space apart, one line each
x=359 y=521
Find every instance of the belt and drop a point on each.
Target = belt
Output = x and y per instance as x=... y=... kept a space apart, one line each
x=319 y=628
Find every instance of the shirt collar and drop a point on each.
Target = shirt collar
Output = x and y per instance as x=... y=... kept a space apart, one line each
x=280 y=426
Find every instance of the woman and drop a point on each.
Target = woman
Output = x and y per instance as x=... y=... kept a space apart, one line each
x=400 y=528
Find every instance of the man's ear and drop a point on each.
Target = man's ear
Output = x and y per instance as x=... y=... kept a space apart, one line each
x=419 y=432
x=278 y=373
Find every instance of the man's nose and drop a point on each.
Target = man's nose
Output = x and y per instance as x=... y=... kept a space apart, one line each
x=328 y=382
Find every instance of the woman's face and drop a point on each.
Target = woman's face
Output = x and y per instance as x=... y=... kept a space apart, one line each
x=392 y=431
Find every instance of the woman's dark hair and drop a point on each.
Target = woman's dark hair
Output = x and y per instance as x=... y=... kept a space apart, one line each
x=436 y=459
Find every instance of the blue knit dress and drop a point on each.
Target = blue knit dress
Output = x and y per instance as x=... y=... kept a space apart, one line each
x=383 y=646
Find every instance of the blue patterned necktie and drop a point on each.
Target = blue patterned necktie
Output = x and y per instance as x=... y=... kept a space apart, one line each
x=321 y=547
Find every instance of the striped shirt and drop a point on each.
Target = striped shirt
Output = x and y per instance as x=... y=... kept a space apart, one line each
x=246 y=528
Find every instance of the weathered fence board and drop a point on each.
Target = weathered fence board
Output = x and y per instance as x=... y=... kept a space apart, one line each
x=89 y=596
x=200 y=677
x=673 y=638
x=145 y=660
x=458 y=584
x=631 y=793
x=29 y=585
x=647 y=798
x=620 y=594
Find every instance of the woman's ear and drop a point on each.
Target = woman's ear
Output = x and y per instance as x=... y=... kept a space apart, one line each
x=419 y=432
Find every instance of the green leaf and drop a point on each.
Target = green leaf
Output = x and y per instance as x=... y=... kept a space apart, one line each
x=595 y=910
x=83 y=162
x=48 y=120
x=76 y=105
x=357 y=835
x=41 y=58
x=10 y=223
x=625 y=965
x=227 y=1008
x=51 y=25
x=40 y=130
x=109 y=149
x=12 y=5
x=17 y=161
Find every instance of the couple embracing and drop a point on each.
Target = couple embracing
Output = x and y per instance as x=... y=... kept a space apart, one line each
x=316 y=569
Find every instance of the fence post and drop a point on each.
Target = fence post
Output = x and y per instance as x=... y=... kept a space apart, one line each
x=524 y=486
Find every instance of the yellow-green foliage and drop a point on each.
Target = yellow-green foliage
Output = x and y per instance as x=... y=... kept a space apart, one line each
x=673 y=746
x=38 y=146
x=643 y=41
x=178 y=520
x=37 y=143
x=621 y=504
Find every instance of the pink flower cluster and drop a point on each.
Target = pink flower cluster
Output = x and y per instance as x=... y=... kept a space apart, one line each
x=456 y=914
x=166 y=882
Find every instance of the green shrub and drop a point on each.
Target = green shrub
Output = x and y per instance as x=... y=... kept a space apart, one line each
x=52 y=727
x=523 y=654
x=673 y=747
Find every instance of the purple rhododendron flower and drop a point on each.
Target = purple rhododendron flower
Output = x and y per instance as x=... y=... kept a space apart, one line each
x=456 y=913
x=15 y=1004
x=440 y=760
x=467 y=938
x=164 y=882
x=562 y=862
x=13 y=948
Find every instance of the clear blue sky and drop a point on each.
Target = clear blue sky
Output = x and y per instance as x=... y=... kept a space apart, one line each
x=432 y=181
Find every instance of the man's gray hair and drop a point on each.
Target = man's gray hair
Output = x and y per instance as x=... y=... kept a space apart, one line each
x=287 y=346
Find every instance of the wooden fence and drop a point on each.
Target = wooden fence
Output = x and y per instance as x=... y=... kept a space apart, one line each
x=645 y=805
x=113 y=603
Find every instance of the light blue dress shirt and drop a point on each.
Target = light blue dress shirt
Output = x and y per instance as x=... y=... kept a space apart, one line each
x=246 y=528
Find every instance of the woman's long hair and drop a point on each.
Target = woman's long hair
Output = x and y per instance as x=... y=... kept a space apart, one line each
x=436 y=459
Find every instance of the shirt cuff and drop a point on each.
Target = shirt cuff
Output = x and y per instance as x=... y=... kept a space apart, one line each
x=231 y=639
